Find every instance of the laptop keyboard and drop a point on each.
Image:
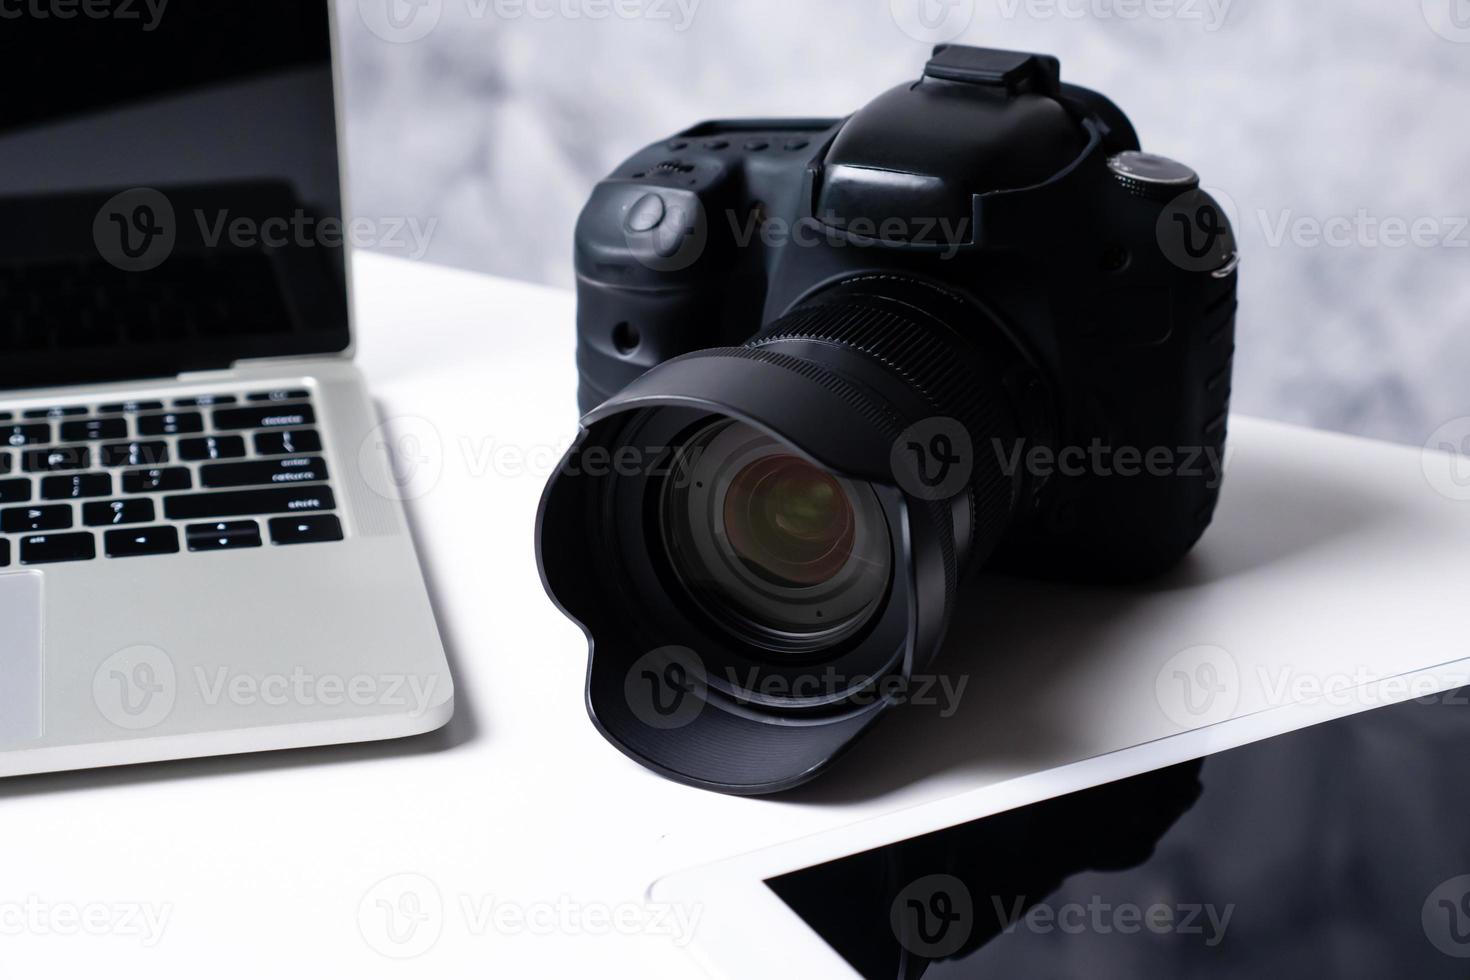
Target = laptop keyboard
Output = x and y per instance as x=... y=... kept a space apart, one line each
x=144 y=478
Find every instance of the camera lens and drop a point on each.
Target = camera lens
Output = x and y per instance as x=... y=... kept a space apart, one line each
x=769 y=543
x=787 y=520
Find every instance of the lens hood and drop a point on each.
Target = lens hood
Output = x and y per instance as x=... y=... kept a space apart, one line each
x=687 y=699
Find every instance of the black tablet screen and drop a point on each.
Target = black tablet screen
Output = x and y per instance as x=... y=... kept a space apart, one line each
x=1340 y=850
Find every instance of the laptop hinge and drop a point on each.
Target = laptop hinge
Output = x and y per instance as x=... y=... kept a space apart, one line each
x=278 y=365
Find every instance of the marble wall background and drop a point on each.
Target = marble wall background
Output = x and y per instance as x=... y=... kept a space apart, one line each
x=494 y=118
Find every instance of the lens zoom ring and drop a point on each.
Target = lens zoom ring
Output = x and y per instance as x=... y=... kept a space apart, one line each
x=871 y=409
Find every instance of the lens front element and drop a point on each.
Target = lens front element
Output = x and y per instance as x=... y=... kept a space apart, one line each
x=789 y=555
x=789 y=521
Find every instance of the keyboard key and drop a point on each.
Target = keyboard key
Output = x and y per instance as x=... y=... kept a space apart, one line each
x=147 y=453
x=140 y=541
x=55 y=413
x=90 y=430
x=6 y=416
x=293 y=395
x=47 y=548
x=205 y=401
x=25 y=520
x=264 y=417
x=211 y=447
x=76 y=487
x=306 y=530
x=157 y=480
x=25 y=435
x=15 y=491
x=56 y=460
x=288 y=443
x=244 y=503
x=274 y=472
x=102 y=513
x=170 y=424
x=222 y=536
x=129 y=408
x=4 y=552
x=7 y=463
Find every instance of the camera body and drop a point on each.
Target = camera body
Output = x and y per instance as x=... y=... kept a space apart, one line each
x=836 y=363
x=991 y=181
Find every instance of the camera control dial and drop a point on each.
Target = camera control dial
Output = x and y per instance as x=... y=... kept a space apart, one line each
x=1152 y=176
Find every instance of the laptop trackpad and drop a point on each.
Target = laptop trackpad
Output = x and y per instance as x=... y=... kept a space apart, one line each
x=20 y=656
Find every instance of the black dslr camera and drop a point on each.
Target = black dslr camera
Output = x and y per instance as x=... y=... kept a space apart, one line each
x=829 y=365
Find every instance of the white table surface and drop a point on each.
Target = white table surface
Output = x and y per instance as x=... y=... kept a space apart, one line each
x=1330 y=556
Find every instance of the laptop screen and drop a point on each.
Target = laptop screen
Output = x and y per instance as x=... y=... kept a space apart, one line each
x=170 y=195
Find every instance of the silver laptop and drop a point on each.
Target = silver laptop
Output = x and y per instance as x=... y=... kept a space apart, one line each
x=202 y=550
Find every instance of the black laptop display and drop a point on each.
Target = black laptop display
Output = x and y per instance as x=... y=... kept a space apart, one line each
x=170 y=197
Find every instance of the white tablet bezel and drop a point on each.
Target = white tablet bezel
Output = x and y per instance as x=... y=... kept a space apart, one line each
x=745 y=930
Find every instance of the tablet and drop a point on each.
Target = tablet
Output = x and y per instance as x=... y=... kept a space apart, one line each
x=1327 y=838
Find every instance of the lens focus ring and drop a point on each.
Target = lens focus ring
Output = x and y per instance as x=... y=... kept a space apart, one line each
x=930 y=371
